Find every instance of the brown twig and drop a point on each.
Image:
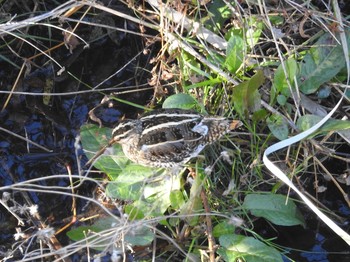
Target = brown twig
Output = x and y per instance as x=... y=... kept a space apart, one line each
x=211 y=239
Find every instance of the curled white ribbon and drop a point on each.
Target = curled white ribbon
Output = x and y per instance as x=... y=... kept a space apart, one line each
x=279 y=173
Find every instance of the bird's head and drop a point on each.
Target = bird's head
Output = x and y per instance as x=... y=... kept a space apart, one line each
x=124 y=131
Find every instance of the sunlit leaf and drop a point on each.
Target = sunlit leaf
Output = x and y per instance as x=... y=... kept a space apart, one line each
x=183 y=101
x=253 y=36
x=249 y=249
x=133 y=212
x=189 y=66
x=152 y=195
x=307 y=121
x=324 y=61
x=246 y=97
x=93 y=138
x=130 y=182
x=134 y=236
x=219 y=12
x=275 y=208
x=235 y=52
x=280 y=79
x=177 y=199
x=276 y=19
x=253 y=33
x=223 y=228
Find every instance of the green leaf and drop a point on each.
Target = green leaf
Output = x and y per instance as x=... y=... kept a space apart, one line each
x=223 y=228
x=246 y=97
x=183 y=101
x=133 y=212
x=274 y=208
x=276 y=19
x=177 y=199
x=259 y=115
x=249 y=249
x=278 y=126
x=253 y=36
x=189 y=66
x=137 y=236
x=321 y=64
x=82 y=232
x=307 y=121
x=152 y=197
x=324 y=92
x=280 y=79
x=235 y=52
x=93 y=138
x=282 y=99
x=253 y=33
x=130 y=182
x=219 y=12
x=140 y=236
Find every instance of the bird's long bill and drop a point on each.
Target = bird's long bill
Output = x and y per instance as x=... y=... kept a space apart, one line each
x=235 y=124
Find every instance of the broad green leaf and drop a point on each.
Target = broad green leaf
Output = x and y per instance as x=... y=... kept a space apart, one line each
x=177 y=199
x=219 y=12
x=249 y=249
x=153 y=197
x=83 y=232
x=321 y=64
x=259 y=115
x=235 y=52
x=223 y=228
x=133 y=212
x=246 y=97
x=253 y=36
x=93 y=138
x=280 y=79
x=183 y=101
x=278 y=126
x=253 y=33
x=307 y=121
x=274 y=208
x=130 y=182
x=138 y=236
x=282 y=99
x=161 y=186
x=276 y=19
x=189 y=66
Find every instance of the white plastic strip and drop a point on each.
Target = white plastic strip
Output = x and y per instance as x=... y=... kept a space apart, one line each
x=278 y=173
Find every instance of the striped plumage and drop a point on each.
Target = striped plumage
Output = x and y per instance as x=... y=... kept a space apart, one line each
x=169 y=137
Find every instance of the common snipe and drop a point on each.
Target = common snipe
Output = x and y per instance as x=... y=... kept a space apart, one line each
x=169 y=137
